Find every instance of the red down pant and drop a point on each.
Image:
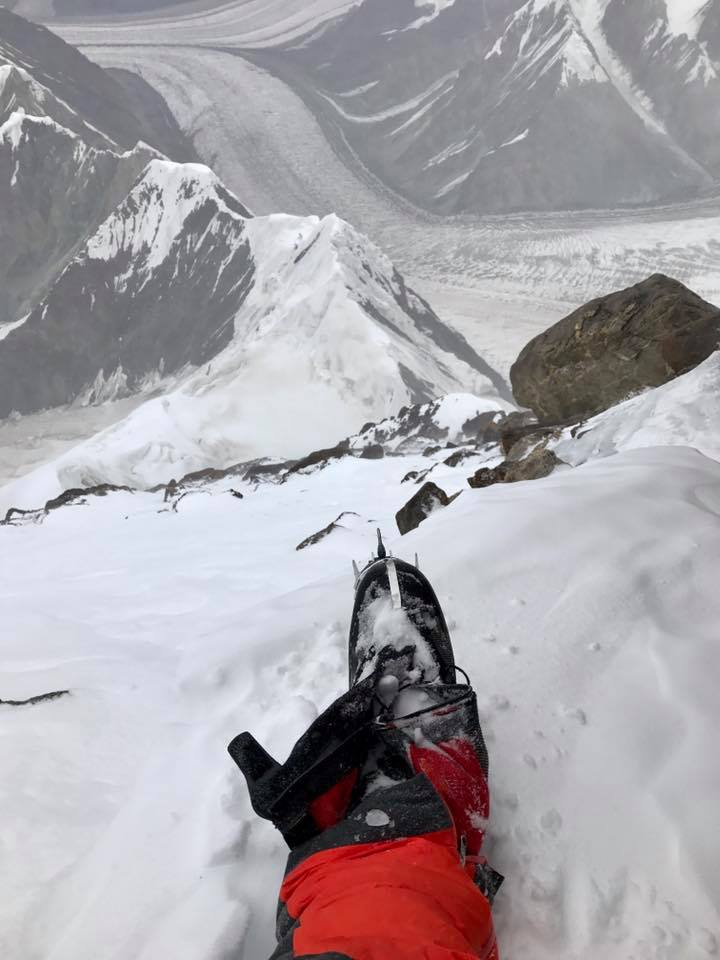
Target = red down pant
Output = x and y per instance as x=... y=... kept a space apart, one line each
x=386 y=883
x=396 y=873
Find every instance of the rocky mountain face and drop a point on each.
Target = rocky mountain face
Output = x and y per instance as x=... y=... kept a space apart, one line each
x=134 y=300
x=505 y=105
x=614 y=347
x=55 y=189
x=62 y=83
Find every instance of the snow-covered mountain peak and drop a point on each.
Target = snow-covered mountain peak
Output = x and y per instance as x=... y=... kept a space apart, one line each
x=157 y=208
x=684 y=16
x=544 y=36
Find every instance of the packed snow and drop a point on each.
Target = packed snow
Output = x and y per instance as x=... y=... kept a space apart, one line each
x=683 y=412
x=683 y=16
x=584 y=606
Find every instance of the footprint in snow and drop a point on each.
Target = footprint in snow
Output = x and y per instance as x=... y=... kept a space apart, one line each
x=575 y=713
x=708 y=942
x=499 y=702
x=551 y=822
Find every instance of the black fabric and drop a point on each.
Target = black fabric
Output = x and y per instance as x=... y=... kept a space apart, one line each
x=453 y=712
x=413 y=808
x=336 y=743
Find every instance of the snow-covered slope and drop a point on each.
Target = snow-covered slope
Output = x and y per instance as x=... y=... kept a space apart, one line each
x=584 y=606
x=684 y=412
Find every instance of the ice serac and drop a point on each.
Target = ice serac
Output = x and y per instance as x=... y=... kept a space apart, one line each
x=536 y=105
x=55 y=189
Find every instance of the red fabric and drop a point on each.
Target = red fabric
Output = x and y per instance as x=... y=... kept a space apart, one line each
x=406 y=899
x=454 y=770
x=331 y=807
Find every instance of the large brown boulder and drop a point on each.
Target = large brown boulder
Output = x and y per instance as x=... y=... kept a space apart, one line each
x=429 y=498
x=614 y=347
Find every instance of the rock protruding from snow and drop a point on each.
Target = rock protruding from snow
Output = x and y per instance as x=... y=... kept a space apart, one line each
x=426 y=501
x=615 y=347
x=538 y=464
x=347 y=520
x=455 y=418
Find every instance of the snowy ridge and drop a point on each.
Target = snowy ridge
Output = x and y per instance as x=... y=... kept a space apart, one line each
x=21 y=92
x=325 y=338
x=154 y=214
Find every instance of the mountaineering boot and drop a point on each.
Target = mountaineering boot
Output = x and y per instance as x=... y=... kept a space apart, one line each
x=426 y=722
x=397 y=625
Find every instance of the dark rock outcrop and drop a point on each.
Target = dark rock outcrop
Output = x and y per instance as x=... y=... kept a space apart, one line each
x=326 y=531
x=320 y=458
x=31 y=701
x=373 y=451
x=77 y=495
x=614 y=347
x=538 y=464
x=428 y=499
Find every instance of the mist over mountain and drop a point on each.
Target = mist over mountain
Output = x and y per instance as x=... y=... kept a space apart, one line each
x=503 y=105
